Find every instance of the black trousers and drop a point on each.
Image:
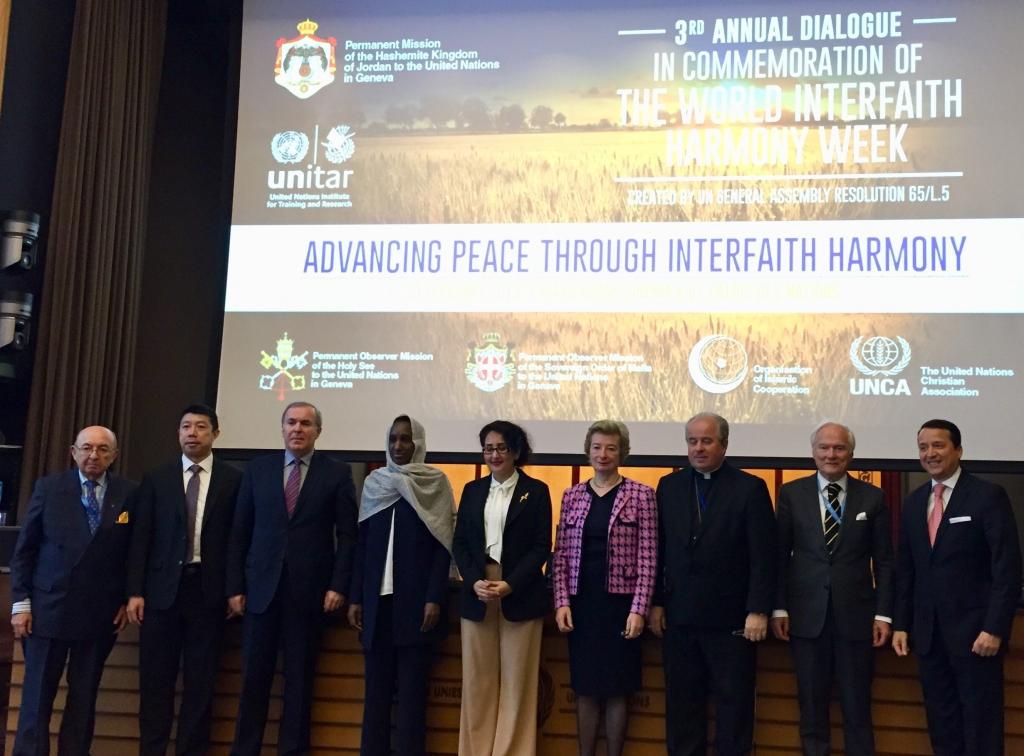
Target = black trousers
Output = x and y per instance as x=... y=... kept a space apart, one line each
x=700 y=662
x=188 y=634
x=963 y=698
x=45 y=659
x=851 y=664
x=390 y=669
x=295 y=630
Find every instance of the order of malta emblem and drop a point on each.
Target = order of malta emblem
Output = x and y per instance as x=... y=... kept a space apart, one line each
x=490 y=367
x=306 y=63
x=284 y=365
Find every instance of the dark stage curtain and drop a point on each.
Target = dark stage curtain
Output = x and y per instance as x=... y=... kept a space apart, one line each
x=85 y=349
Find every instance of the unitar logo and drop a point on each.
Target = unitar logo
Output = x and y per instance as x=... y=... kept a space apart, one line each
x=880 y=358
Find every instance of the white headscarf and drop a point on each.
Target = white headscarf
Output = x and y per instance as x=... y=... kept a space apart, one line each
x=425 y=488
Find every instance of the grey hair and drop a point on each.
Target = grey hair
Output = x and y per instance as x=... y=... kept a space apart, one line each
x=721 y=422
x=851 y=439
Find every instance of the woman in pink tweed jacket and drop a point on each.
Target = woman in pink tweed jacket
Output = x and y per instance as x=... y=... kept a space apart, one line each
x=606 y=556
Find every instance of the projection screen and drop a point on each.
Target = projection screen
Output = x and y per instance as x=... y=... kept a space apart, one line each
x=559 y=212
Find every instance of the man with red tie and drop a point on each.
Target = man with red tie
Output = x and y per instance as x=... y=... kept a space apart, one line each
x=289 y=562
x=959 y=577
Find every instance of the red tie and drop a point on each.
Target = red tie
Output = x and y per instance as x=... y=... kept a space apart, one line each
x=291 y=488
x=936 y=516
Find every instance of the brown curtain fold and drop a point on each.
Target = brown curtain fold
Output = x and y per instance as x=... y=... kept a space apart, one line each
x=85 y=351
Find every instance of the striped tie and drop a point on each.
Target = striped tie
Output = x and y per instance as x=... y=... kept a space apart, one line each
x=831 y=523
x=291 y=488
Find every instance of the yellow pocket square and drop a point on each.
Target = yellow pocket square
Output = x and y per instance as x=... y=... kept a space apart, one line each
x=122 y=519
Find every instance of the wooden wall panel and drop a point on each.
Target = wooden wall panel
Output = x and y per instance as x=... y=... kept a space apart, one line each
x=899 y=716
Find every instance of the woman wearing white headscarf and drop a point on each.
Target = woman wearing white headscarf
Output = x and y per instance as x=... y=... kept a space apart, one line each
x=399 y=584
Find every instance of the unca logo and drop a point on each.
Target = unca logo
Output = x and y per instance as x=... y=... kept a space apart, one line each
x=880 y=355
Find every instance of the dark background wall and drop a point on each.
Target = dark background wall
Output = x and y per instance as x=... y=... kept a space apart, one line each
x=189 y=224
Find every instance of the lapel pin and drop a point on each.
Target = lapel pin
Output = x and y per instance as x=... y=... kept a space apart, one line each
x=524 y=497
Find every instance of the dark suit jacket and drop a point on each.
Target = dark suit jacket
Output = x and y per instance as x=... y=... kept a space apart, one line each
x=317 y=543
x=75 y=579
x=810 y=578
x=970 y=580
x=160 y=532
x=525 y=548
x=713 y=572
x=419 y=575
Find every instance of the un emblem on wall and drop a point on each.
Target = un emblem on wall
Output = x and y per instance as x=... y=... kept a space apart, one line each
x=718 y=363
x=880 y=355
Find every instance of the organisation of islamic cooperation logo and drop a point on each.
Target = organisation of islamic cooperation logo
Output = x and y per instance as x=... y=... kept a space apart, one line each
x=880 y=355
x=284 y=363
x=490 y=367
x=290 y=147
x=305 y=64
x=718 y=364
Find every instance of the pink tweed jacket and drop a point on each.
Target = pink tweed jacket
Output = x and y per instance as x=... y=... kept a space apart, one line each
x=632 y=543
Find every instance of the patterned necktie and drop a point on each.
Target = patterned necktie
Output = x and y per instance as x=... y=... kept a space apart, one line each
x=831 y=523
x=191 y=507
x=291 y=488
x=936 y=514
x=92 y=506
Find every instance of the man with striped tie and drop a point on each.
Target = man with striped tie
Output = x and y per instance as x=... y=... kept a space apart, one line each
x=959 y=579
x=834 y=535
x=289 y=562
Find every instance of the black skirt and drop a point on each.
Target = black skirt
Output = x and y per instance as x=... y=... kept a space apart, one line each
x=602 y=663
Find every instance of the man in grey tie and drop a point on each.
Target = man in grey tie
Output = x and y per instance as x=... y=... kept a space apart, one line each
x=176 y=584
x=67 y=583
x=834 y=598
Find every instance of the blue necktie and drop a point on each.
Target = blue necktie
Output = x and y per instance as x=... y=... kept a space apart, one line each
x=92 y=506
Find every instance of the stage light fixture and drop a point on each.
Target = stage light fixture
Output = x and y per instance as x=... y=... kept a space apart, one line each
x=15 y=314
x=18 y=236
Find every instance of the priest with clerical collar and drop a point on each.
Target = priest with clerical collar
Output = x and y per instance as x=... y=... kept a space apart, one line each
x=715 y=587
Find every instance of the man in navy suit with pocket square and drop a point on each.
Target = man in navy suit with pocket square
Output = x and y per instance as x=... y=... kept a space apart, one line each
x=958 y=580
x=68 y=587
x=289 y=563
x=834 y=599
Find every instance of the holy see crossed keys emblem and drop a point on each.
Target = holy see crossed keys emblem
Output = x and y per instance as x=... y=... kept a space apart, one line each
x=285 y=364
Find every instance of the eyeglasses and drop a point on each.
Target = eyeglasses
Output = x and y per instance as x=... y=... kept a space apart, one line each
x=501 y=449
x=88 y=449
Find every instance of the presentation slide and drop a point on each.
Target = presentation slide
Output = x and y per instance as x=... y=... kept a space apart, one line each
x=561 y=212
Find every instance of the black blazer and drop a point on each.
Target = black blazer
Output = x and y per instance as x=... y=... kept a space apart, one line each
x=317 y=543
x=75 y=579
x=419 y=573
x=715 y=571
x=525 y=548
x=970 y=580
x=810 y=579
x=159 y=534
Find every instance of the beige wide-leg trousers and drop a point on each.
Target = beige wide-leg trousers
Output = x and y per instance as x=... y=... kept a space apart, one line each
x=500 y=673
